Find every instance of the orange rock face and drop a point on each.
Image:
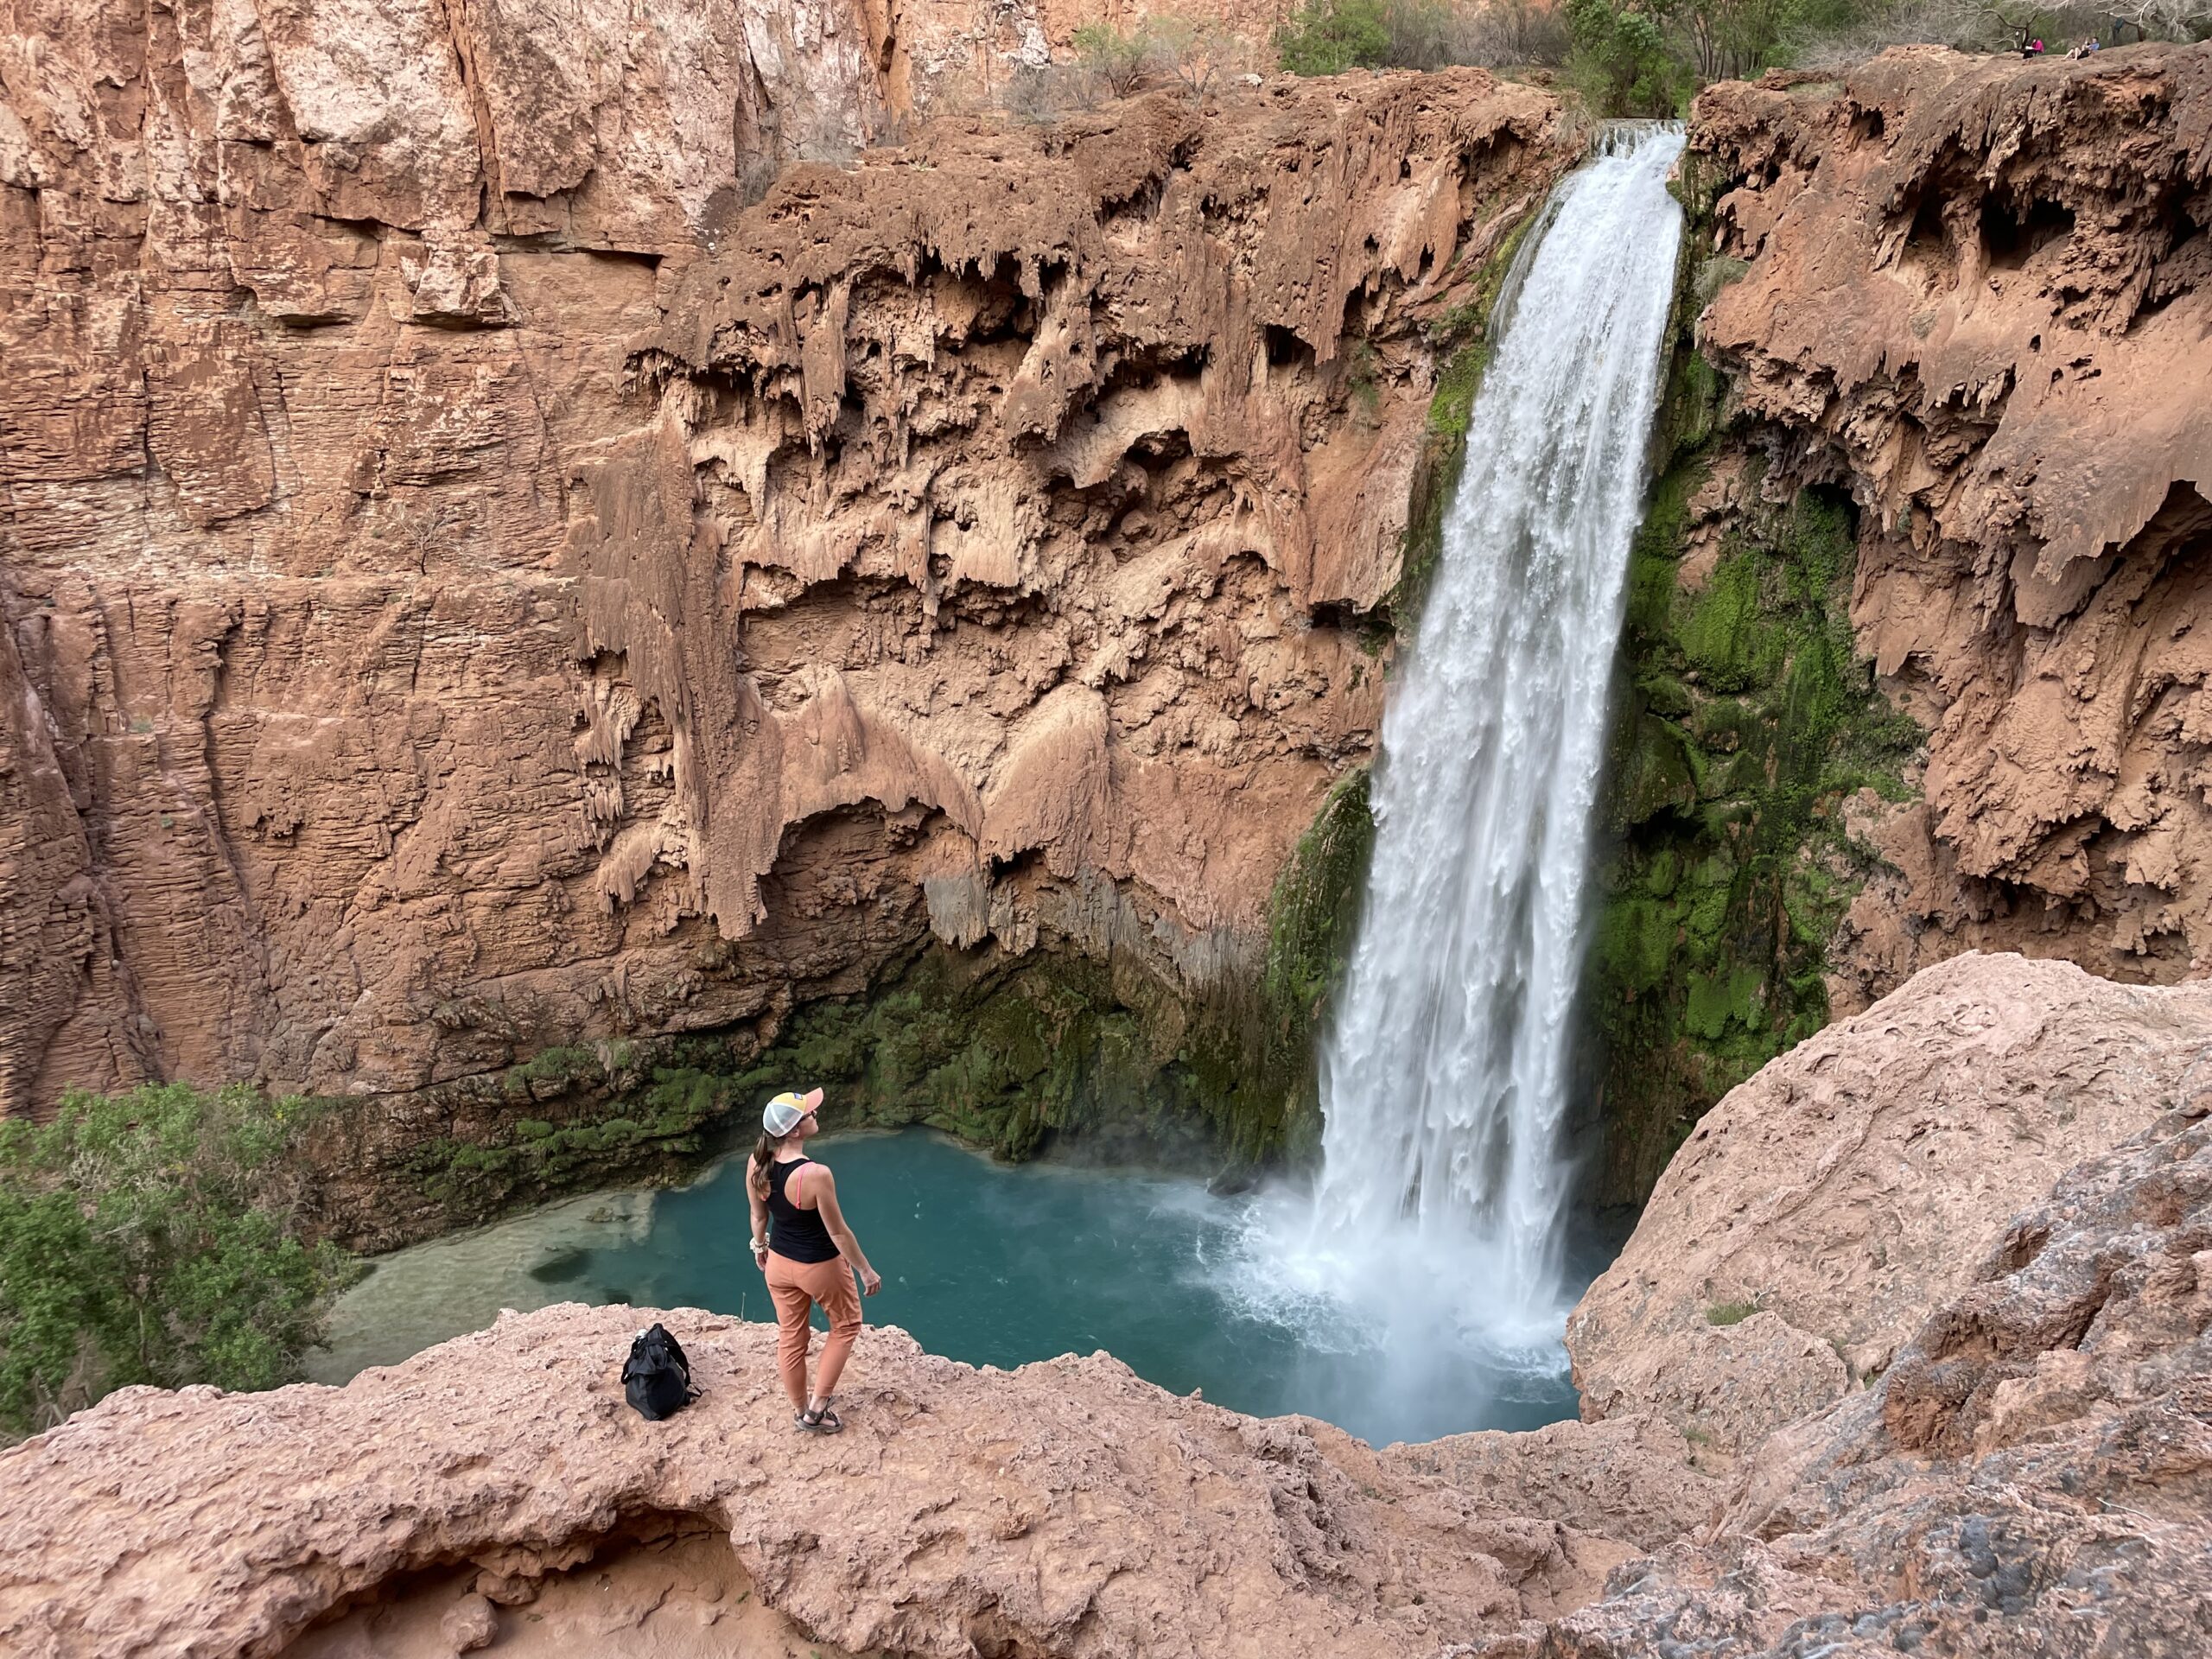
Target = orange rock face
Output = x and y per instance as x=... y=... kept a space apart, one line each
x=1980 y=292
x=474 y=584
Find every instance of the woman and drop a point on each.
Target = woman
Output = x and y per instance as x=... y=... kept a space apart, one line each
x=801 y=1242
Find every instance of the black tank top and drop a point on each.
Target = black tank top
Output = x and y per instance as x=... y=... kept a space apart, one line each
x=796 y=1234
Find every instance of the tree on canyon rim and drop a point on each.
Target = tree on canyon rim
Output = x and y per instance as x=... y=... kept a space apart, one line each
x=1649 y=57
x=150 y=1237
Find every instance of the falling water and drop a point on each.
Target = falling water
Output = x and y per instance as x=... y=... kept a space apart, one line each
x=1445 y=1072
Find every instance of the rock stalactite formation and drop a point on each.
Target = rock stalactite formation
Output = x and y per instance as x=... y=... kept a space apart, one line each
x=1977 y=295
x=508 y=562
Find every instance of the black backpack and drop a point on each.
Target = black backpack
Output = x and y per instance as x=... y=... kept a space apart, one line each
x=657 y=1379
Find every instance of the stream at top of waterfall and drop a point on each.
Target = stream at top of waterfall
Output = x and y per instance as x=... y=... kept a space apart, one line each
x=991 y=1263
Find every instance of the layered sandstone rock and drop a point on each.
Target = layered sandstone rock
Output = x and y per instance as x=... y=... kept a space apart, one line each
x=475 y=587
x=1979 y=296
x=1064 y=1508
x=1821 y=1211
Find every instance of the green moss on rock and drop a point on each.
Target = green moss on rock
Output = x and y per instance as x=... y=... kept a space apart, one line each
x=1747 y=720
x=1313 y=916
x=1010 y=1053
x=1744 y=718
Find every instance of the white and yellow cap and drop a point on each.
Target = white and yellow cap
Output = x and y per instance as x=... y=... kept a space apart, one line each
x=785 y=1112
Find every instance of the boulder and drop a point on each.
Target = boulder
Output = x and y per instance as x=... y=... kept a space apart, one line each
x=1820 y=1211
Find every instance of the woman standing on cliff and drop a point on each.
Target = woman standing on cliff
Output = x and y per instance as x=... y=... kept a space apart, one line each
x=801 y=1242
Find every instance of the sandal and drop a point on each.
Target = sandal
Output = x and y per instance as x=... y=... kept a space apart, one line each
x=824 y=1421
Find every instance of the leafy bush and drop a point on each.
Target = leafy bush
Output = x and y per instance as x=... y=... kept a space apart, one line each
x=1327 y=37
x=1330 y=36
x=148 y=1238
x=1117 y=56
x=1622 y=60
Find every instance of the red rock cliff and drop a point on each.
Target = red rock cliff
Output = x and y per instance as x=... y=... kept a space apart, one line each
x=1979 y=294
x=475 y=585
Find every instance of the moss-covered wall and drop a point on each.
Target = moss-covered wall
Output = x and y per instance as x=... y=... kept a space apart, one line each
x=1462 y=338
x=1746 y=721
x=1009 y=1051
x=1313 y=915
x=1743 y=719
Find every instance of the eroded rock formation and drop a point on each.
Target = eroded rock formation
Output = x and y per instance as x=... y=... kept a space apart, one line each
x=1065 y=1508
x=1914 y=661
x=1820 y=1212
x=477 y=590
x=2030 y=1476
x=1979 y=296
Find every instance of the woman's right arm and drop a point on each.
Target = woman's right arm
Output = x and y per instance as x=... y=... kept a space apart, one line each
x=824 y=1185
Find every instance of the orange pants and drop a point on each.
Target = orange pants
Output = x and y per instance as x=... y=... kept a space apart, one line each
x=798 y=1287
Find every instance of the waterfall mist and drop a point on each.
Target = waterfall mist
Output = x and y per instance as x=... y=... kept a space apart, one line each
x=1436 y=1221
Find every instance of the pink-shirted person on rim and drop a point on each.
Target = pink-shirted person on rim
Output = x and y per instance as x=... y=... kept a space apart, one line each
x=801 y=1242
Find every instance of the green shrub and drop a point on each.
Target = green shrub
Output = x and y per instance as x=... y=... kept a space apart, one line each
x=1117 y=55
x=147 y=1237
x=1730 y=1313
x=1621 y=59
x=1327 y=37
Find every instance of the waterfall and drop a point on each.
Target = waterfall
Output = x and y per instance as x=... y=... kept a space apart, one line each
x=1444 y=1073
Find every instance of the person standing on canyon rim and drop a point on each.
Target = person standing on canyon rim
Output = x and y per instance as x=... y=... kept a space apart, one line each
x=800 y=1240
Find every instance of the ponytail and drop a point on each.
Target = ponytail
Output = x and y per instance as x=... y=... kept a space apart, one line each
x=756 y=1173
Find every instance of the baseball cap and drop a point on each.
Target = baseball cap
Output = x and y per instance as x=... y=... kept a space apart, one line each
x=785 y=1112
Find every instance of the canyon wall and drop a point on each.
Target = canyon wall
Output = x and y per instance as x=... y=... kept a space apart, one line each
x=1916 y=653
x=556 y=590
x=516 y=580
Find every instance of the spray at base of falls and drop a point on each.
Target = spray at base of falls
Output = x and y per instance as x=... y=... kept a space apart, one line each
x=1436 y=1221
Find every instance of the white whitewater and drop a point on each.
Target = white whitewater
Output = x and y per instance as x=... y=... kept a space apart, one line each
x=1445 y=1074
